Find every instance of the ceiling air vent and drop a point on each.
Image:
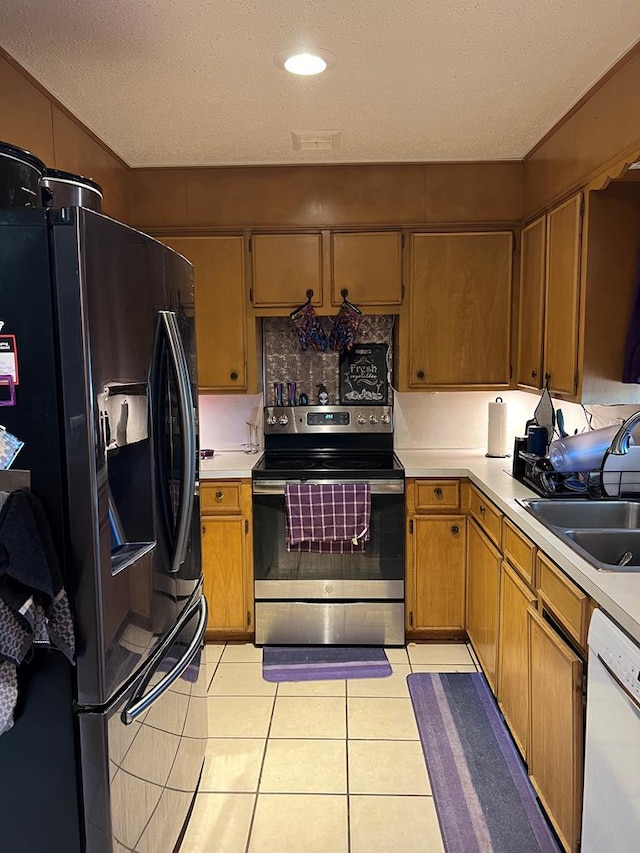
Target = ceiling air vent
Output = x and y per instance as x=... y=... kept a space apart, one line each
x=316 y=140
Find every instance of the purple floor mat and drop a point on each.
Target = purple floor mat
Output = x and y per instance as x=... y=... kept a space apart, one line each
x=320 y=663
x=483 y=797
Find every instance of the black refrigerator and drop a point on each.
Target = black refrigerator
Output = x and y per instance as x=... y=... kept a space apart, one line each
x=106 y=755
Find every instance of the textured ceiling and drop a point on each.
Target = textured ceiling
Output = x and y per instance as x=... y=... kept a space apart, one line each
x=193 y=82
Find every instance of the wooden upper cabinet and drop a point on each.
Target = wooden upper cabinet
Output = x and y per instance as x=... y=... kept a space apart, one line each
x=460 y=310
x=285 y=266
x=369 y=266
x=530 y=372
x=562 y=295
x=218 y=264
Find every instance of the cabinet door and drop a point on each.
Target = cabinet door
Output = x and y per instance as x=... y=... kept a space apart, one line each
x=531 y=308
x=557 y=728
x=460 y=311
x=285 y=266
x=439 y=573
x=483 y=587
x=224 y=567
x=513 y=655
x=562 y=294
x=369 y=266
x=220 y=309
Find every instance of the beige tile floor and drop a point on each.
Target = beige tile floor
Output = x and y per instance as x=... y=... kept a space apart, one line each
x=316 y=767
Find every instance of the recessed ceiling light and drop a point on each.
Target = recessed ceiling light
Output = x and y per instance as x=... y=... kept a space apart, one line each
x=305 y=63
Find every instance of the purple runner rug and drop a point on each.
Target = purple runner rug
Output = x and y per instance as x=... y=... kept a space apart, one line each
x=483 y=797
x=319 y=663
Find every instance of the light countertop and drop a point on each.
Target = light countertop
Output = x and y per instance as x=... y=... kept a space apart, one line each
x=617 y=593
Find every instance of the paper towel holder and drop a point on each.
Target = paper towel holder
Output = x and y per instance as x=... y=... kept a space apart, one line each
x=497 y=455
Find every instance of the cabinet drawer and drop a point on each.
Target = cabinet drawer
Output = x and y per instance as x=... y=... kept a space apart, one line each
x=567 y=602
x=220 y=498
x=437 y=495
x=487 y=515
x=519 y=551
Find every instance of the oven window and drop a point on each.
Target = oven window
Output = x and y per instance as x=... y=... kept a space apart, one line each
x=382 y=559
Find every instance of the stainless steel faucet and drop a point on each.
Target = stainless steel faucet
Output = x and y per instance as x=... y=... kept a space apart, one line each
x=620 y=443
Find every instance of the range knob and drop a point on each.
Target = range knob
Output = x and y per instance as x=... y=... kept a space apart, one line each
x=271 y=420
x=385 y=418
x=283 y=420
x=373 y=419
x=361 y=419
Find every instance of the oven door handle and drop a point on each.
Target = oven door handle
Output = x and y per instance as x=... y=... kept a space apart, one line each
x=378 y=487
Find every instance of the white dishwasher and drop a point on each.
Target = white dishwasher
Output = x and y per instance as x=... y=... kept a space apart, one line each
x=611 y=806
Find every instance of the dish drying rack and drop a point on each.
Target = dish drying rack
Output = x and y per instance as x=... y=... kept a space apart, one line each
x=617 y=477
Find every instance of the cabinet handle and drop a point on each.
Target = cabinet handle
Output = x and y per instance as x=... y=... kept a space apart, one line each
x=534 y=373
x=204 y=529
x=233 y=376
x=219 y=495
x=455 y=529
x=420 y=375
x=437 y=492
x=482 y=510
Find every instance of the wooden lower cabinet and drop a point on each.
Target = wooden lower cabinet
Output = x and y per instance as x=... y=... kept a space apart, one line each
x=437 y=587
x=226 y=562
x=556 y=740
x=483 y=587
x=513 y=655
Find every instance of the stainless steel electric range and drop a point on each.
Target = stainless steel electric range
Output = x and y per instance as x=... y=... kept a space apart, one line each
x=329 y=598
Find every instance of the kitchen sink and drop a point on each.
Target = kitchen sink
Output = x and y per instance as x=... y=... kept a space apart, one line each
x=585 y=513
x=604 y=533
x=604 y=548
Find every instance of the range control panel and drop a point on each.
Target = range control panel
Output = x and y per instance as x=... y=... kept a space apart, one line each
x=335 y=419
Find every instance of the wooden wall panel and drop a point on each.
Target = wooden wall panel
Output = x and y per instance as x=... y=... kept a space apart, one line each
x=33 y=119
x=25 y=114
x=77 y=152
x=273 y=197
x=473 y=192
x=604 y=128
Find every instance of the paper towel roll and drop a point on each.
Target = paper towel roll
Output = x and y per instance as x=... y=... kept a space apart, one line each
x=497 y=429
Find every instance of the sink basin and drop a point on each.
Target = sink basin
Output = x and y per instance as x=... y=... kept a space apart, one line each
x=588 y=514
x=600 y=531
x=603 y=548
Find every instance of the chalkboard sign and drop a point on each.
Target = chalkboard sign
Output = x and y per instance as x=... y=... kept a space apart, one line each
x=363 y=376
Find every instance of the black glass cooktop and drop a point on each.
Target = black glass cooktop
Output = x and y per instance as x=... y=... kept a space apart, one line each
x=343 y=464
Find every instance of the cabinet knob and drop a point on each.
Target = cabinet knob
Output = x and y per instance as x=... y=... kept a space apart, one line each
x=233 y=376
x=204 y=529
x=534 y=373
x=437 y=492
x=219 y=495
x=455 y=529
x=420 y=375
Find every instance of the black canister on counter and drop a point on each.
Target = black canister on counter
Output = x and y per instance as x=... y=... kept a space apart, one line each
x=519 y=444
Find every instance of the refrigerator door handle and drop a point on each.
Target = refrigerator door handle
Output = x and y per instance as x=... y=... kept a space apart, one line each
x=188 y=435
x=137 y=705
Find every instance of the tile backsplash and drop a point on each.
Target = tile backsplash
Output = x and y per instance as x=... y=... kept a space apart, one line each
x=285 y=361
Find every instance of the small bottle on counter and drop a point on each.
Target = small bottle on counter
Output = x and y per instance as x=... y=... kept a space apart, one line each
x=323 y=396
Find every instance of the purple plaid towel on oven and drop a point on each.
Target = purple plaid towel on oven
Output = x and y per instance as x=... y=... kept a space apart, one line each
x=331 y=518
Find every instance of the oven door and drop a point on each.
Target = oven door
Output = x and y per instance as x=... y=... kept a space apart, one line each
x=350 y=598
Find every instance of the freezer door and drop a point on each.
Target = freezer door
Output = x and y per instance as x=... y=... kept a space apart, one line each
x=110 y=291
x=142 y=758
